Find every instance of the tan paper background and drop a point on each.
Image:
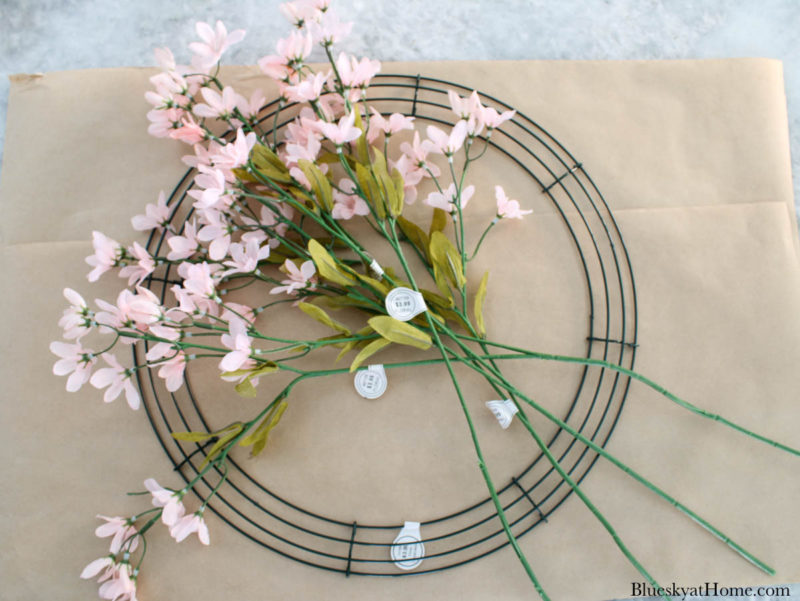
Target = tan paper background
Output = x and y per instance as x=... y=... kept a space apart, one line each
x=693 y=158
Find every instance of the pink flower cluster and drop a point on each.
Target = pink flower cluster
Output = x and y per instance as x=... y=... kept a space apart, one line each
x=114 y=572
x=244 y=226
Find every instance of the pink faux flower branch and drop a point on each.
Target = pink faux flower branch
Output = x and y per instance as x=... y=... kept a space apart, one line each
x=276 y=210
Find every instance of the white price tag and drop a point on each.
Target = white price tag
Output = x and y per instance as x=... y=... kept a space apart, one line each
x=371 y=383
x=376 y=269
x=404 y=304
x=504 y=411
x=407 y=549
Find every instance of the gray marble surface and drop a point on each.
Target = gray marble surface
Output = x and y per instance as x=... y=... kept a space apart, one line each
x=51 y=35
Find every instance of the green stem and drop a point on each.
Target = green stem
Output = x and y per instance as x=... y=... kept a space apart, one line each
x=586 y=501
x=476 y=444
x=644 y=380
x=501 y=380
x=483 y=235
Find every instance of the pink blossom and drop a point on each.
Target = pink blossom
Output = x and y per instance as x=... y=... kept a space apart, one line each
x=251 y=108
x=198 y=280
x=158 y=351
x=238 y=311
x=275 y=66
x=355 y=73
x=77 y=319
x=170 y=500
x=492 y=119
x=446 y=200
x=291 y=53
x=506 y=208
x=303 y=129
x=172 y=371
x=234 y=154
x=329 y=29
x=417 y=152
x=189 y=524
x=342 y=132
x=107 y=254
x=76 y=361
x=298 y=278
x=122 y=530
x=169 y=90
x=346 y=203
x=239 y=343
x=395 y=123
x=136 y=272
x=184 y=245
x=300 y=12
x=412 y=175
x=156 y=216
x=202 y=155
x=164 y=59
x=119 y=316
x=308 y=151
x=468 y=109
x=212 y=192
x=121 y=585
x=163 y=121
x=189 y=131
x=245 y=257
x=277 y=223
x=330 y=105
x=465 y=108
x=145 y=308
x=117 y=379
x=218 y=105
x=94 y=568
x=309 y=89
x=440 y=142
x=215 y=42
x=218 y=233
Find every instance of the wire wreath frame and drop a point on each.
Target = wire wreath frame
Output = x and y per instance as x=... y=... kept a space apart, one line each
x=532 y=495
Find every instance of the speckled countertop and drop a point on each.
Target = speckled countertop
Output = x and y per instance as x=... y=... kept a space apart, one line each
x=52 y=35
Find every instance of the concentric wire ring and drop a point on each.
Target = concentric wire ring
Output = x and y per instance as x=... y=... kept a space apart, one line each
x=472 y=532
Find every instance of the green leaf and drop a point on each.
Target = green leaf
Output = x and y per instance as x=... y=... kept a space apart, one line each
x=396 y=206
x=441 y=283
x=225 y=436
x=349 y=346
x=244 y=175
x=192 y=436
x=258 y=438
x=369 y=350
x=267 y=367
x=246 y=388
x=319 y=183
x=415 y=235
x=369 y=187
x=438 y=221
x=386 y=185
x=375 y=284
x=437 y=300
x=400 y=332
x=326 y=265
x=446 y=257
x=480 y=297
x=319 y=314
x=269 y=164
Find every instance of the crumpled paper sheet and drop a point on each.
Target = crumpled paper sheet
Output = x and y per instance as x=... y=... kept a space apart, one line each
x=693 y=158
